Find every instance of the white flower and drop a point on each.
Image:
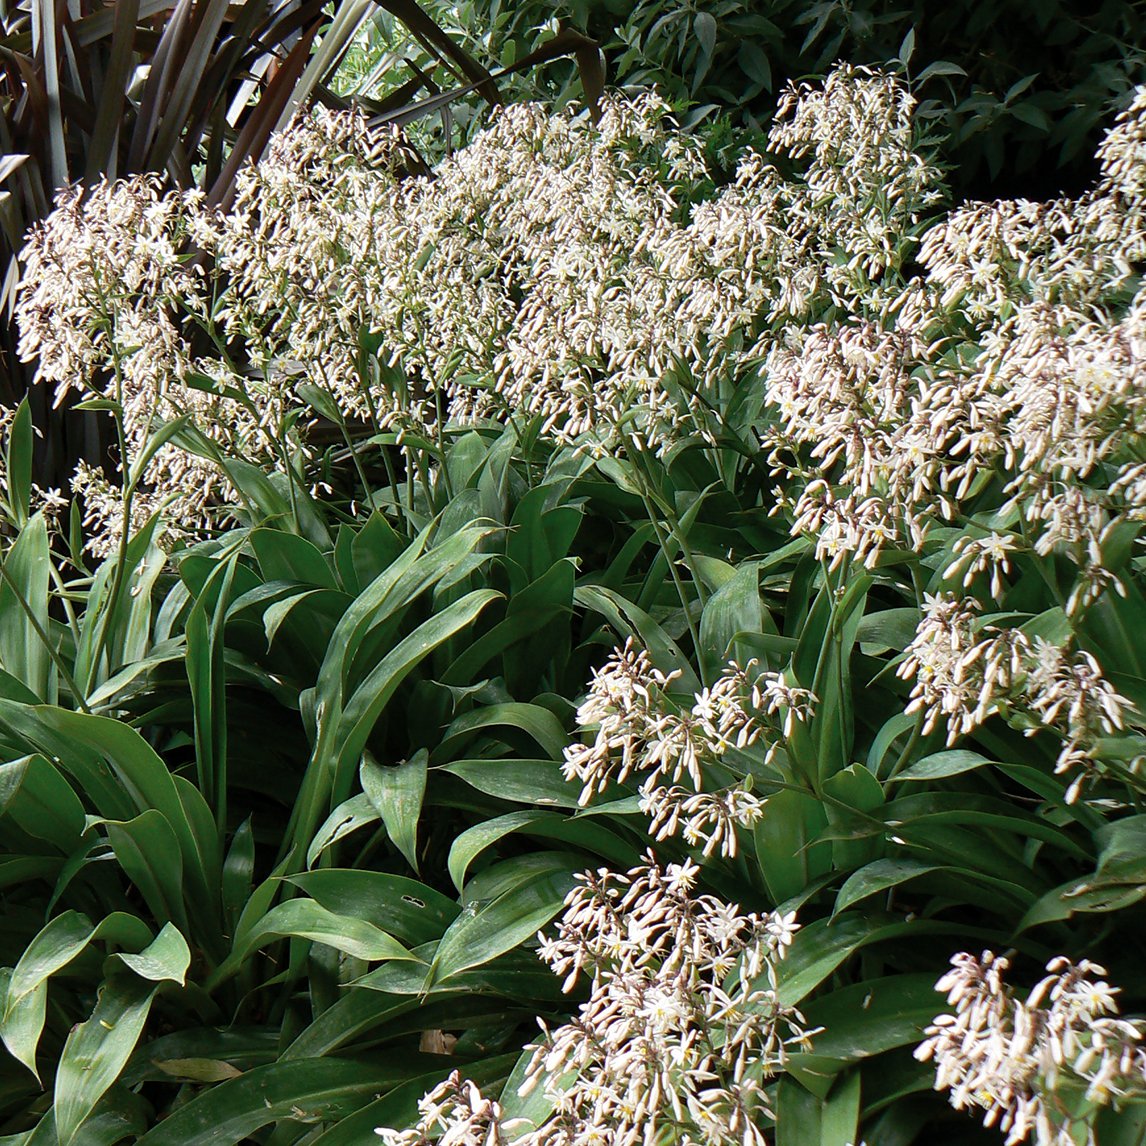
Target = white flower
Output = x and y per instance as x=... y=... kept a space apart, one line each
x=1007 y=1057
x=666 y=1041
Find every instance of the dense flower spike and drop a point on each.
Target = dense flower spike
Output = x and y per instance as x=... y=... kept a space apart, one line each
x=681 y=1032
x=1017 y=1060
x=964 y=672
x=106 y=307
x=678 y=751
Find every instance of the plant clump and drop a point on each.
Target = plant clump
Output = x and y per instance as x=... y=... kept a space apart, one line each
x=560 y=502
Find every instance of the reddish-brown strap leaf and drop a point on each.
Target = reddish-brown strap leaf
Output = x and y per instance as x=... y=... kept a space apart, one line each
x=151 y=102
x=109 y=114
x=412 y=15
x=566 y=42
x=261 y=122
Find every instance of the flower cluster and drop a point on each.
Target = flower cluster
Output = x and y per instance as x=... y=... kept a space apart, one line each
x=868 y=182
x=882 y=433
x=587 y=274
x=965 y=671
x=1019 y=352
x=455 y=1113
x=592 y=275
x=679 y=752
x=1046 y=1064
x=105 y=306
x=681 y=1032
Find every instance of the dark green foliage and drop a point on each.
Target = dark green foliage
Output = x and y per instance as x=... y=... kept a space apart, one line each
x=1021 y=87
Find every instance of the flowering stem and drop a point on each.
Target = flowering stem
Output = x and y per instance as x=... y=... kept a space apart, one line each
x=105 y=616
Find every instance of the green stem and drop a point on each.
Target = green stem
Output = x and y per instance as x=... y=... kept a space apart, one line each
x=662 y=541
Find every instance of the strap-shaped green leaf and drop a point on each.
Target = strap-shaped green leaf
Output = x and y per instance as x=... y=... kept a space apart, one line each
x=397 y=793
x=166 y=958
x=97 y=1050
x=481 y=933
x=55 y=946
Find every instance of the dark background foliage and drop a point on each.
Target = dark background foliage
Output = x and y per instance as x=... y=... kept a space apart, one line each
x=1022 y=87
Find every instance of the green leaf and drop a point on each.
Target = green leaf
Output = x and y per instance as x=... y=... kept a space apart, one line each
x=152 y=444
x=858 y=789
x=1118 y=882
x=520 y=781
x=18 y=465
x=871 y=1017
x=940 y=765
x=537 y=722
x=907 y=47
x=542 y=532
x=238 y=872
x=471 y=843
x=887 y=630
x=310 y=614
x=755 y=64
x=135 y=636
x=349 y=816
x=839 y=1124
x=788 y=859
x=321 y=401
x=367 y=701
x=24 y=606
x=198 y=1069
x=54 y=947
x=628 y=619
x=22 y=1021
x=358 y=1014
x=1076 y=897
x=734 y=608
x=148 y=851
x=166 y=957
x=879 y=876
x=1124 y=1125
x=823 y=945
x=397 y=793
x=1122 y=849
x=243 y=1047
x=375 y=548
x=398 y=1108
x=306 y=919
x=409 y=909
x=113 y=616
x=232 y=1111
x=99 y=404
x=832 y=726
x=121 y=775
x=535 y=609
x=480 y=933
x=207 y=678
x=577 y=830
x=97 y=1050
x=798 y=1115
x=345 y=724
x=939 y=68
x=704 y=24
x=892 y=729
x=288 y=557
x=41 y=801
